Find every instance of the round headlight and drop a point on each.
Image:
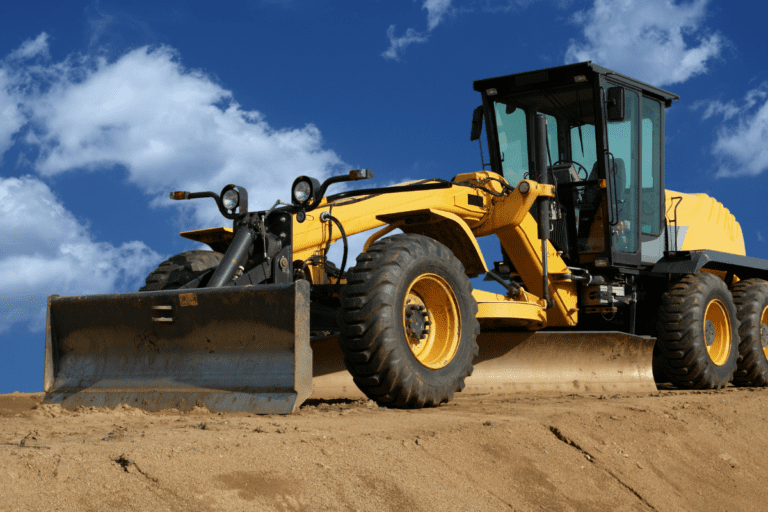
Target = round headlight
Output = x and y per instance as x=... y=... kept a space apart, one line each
x=230 y=199
x=302 y=191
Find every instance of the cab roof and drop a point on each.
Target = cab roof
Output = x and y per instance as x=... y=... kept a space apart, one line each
x=562 y=75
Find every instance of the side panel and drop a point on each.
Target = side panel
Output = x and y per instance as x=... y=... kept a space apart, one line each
x=691 y=262
x=705 y=222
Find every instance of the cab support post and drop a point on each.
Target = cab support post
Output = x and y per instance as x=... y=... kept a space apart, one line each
x=540 y=141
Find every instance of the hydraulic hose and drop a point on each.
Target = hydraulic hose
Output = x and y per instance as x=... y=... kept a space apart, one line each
x=330 y=218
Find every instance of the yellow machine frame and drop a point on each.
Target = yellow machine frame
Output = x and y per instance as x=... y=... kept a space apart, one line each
x=449 y=217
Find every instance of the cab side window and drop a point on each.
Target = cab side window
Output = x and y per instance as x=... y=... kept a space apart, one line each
x=623 y=144
x=651 y=167
x=513 y=143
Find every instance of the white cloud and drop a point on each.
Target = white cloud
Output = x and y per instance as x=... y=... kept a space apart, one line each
x=731 y=109
x=398 y=44
x=11 y=119
x=646 y=39
x=436 y=12
x=436 y=9
x=46 y=250
x=715 y=107
x=741 y=146
x=508 y=6
x=99 y=22
x=172 y=128
x=32 y=48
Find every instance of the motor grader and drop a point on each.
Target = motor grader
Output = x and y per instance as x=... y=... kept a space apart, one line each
x=610 y=281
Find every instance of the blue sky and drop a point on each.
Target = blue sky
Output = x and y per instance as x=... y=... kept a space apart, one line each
x=105 y=108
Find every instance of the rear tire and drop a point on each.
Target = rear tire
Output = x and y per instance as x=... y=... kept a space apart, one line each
x=751 y=299
x=698 y=332
x=181 y=269
x=409 y=323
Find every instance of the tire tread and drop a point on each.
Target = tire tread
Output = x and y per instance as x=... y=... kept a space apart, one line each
x=180 y=269
x=750 y=297
x=368 y=309
x=681 y=334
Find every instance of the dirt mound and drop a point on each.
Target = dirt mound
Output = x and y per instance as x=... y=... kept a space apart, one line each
x=670 y=450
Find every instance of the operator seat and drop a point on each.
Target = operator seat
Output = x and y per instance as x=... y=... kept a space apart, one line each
x=592 y=201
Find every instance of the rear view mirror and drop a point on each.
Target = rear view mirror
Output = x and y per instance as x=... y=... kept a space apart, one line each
x=477 y=123
x=615 y=104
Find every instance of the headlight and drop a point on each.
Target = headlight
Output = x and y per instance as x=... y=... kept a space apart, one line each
x=230 y=199
x=304 y=189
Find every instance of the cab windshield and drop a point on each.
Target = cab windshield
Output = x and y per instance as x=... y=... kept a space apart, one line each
x=570 y=123
x=571 y=139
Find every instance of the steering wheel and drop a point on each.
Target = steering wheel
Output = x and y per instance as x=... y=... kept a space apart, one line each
x=581 y=167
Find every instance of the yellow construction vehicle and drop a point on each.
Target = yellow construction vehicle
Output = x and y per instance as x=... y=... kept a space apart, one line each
x=612 y=282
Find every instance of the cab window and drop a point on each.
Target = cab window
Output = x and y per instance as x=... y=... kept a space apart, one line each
x=586 y=155
x=623 y=162
x=552 y=139
x=651 y=167
x=513 y=143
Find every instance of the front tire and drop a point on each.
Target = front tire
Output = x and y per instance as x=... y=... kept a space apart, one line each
x=181 y=269
x=698 y=332
x=409 y=323
x=751 y=298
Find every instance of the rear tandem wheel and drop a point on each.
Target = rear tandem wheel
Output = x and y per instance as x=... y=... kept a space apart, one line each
x=409 y=323
x=698 y=335
x=751 y=298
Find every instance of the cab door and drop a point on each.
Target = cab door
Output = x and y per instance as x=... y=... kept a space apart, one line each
x=622 y=163
x=652 y=239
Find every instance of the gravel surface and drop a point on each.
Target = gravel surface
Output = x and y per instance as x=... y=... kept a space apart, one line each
x=664 y=451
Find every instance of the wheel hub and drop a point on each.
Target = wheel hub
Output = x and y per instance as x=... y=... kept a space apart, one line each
x=717 y=332
x=764 y=335
x=709 y=332
x=417 y=322
x=431 y=321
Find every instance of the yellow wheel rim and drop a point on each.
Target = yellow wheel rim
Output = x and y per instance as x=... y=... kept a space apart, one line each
x=717 y=332
x=764 y=331
x=431 y=321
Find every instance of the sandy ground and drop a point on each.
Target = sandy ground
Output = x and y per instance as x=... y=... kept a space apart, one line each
x=665 y=451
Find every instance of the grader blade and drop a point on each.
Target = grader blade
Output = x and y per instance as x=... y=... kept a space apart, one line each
x=543 y=361
x=230 y=349
x=577 y=362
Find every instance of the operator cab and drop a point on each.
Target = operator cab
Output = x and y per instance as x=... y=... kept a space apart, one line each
x=605 y=154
